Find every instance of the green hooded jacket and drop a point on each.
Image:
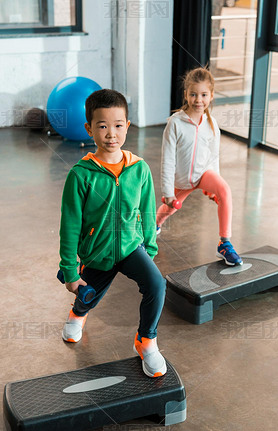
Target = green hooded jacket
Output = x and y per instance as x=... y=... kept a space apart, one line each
x=104 y=218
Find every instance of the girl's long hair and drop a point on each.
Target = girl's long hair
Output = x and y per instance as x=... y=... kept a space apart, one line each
x=195 y=76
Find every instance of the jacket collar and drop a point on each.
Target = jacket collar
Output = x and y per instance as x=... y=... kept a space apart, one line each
x=184 y=117
x=129 y=158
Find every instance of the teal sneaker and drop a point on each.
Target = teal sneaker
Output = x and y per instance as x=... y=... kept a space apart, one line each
x=227 y=252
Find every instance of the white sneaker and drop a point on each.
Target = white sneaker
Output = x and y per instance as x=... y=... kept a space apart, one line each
x=153 y=363
x=72 y=331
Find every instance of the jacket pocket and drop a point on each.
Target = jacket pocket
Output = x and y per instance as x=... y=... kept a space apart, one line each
x=139 y=226
x=131 y=224
x=86 y=243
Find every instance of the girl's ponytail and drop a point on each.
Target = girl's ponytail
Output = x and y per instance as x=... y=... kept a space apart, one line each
x=210 y=120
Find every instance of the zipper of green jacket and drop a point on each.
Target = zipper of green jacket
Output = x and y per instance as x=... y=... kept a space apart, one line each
x=118 y=216
x=117 y=222
x=117 y=233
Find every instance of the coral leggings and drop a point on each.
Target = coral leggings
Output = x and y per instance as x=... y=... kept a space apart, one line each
x=210 y=182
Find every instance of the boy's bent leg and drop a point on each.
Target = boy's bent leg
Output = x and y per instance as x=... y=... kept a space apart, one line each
x=140 y=267
x=100 y=280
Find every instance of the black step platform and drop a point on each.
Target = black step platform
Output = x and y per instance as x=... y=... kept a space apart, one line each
x=92 y=397
x=195 y=292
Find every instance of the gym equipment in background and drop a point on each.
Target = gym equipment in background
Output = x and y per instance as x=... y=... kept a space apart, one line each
x=195 y=293
x=92 y=397
x=66 y=107
x=36 y=119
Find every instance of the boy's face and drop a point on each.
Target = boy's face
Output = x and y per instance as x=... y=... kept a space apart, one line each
x=108 y=128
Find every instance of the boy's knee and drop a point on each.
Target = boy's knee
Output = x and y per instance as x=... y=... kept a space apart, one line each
x=158 y=285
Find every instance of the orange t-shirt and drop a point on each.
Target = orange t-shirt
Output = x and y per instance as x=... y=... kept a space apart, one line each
x=114 y=168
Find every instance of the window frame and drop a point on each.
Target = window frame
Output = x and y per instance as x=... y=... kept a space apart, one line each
x=41 y=29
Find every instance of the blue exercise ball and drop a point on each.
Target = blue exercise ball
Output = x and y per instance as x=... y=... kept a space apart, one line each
x=66 y=106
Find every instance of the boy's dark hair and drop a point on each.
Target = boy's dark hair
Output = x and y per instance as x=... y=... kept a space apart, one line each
x=105 y=98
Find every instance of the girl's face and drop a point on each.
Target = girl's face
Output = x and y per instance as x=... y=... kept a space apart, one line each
x=198 y=97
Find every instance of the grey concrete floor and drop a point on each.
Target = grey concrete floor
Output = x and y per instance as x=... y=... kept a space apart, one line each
x=228 y=366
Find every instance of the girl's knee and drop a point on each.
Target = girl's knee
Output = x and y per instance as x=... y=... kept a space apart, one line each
x=224 y=192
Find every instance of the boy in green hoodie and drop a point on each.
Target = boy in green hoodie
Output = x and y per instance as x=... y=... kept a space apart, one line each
x=108 y=220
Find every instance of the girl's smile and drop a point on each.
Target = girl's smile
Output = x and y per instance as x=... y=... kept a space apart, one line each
x=198 y=97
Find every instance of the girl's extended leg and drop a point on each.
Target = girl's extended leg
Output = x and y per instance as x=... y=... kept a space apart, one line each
x=213 y=183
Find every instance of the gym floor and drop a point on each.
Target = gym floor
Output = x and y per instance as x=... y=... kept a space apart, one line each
x=228 y=366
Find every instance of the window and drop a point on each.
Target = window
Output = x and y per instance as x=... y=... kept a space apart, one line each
x=30 y=17
x=232 y=53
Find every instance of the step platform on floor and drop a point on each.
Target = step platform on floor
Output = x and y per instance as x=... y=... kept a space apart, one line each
x=92 y=397
x=195 y=293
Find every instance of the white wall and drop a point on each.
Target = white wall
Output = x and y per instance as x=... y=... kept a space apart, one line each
x=141 y=69
x=31 y=66
x=142 y=59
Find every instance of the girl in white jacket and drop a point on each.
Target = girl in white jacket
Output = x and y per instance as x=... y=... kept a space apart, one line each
x=190 y=159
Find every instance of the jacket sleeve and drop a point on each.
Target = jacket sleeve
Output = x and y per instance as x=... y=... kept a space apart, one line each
x=70 y=227
x=168 y=160
x=148 y=214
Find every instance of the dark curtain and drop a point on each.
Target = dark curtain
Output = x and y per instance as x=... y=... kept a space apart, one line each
x=191 y=41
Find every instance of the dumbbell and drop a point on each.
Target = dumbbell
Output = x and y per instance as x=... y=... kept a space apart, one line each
x=85 y=293
x=175 y=204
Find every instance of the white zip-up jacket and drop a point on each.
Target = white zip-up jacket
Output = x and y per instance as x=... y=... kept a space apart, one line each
x=188 y=151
